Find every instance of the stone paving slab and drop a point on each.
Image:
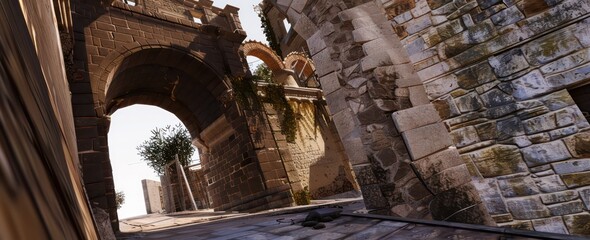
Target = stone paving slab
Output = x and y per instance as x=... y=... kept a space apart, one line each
x=345 y=227
x=285 y=224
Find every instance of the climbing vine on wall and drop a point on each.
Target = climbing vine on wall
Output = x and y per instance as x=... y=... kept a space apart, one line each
x=269 y=32
x=275 y=95
x=245 y=91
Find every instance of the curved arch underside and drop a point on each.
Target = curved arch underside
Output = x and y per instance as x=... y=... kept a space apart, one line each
x=171 y=80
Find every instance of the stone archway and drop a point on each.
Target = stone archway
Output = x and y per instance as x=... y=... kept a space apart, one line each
x=394 y=135
x=126 y=55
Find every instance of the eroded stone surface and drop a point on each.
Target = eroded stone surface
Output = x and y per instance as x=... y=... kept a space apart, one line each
x=498 y=160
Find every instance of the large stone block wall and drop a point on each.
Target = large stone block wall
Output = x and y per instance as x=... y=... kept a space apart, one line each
x=498 y=73
x=366 y=76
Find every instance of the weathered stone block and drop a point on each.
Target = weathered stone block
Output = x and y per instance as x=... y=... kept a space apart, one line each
x=415 y=117
x=567 y=62
x=441 y=86
x=558 y=100
x=585 y=196
x=446 y=107
x=507 y=16
x=558 y=197
x=441 y=33
x=450 y=202
x=540 y=124
x=518 y=187
x=511 y=127
x=483 y=4
x=578 y=223
x=418 y=96
x=448 y=178
x=501 y=111
x=544 y=153
x=305 y=27
x=574 y=180
x=561 y=209
x=527 y=208
x=502 y=218
x=487 y=131
x=399 y=76
x=373 y=197
x=437 y=162
x=579 y=144
x=469 y=102
x=552 y=225
x=426 y=140
x=324 y=63
x=551 y=47
x=508 y=63
x=465 y=136
x=531 y=85
x=549 y=184
x=572 y=166
x=498 y=160
x=418 y=24
x=475 y=76
x=330 y=83
x=496 y=98
x=570 y=77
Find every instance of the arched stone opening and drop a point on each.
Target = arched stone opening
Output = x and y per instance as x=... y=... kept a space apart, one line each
x=317 y=161
x=171 y=80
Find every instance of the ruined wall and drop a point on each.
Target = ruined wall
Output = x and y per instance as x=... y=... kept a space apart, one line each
x=499 y=72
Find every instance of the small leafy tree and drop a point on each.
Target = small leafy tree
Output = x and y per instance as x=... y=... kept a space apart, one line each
x=263 y=72
x=119 y=198
x=164 y=144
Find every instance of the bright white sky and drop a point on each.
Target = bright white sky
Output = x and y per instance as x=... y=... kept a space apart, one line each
x=132 y=125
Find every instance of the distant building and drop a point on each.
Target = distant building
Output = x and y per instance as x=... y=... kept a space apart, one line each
x=152 y=194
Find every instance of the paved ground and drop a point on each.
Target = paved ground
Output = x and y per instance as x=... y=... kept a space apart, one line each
x=284 y=224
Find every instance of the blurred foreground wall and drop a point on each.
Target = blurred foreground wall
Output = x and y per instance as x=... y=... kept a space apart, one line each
x=42 y=196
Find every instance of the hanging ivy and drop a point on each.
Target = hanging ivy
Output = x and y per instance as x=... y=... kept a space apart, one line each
x=269 y=32
x=275 y=95
x=245 y=93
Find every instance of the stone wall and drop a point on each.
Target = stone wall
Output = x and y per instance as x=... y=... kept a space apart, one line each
x=367 y=76
x=154 y=53
x=319 y=159
x=499 y=72
x=41 y=187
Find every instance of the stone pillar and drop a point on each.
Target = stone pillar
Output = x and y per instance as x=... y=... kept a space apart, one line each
x=366 y=75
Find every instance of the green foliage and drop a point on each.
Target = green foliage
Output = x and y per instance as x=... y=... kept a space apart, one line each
x=275 y=95
x=303 y=197
x=269 y=33
x=119 y=199
x=262 y=72
x=164 y=144
x=245 y=93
